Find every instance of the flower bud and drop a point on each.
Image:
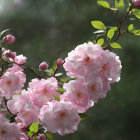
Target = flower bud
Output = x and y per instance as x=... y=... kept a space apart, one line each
x=10 y=54
x=43 y=66
x=9 y=39
x=136 y=3
x=59 y=62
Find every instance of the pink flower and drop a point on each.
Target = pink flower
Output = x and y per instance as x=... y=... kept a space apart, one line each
x=97 y=87
x=9 y=39
x=9 y=54
x=60 y=117
x=77 y=93
x=27 y=113
x=82 y=59
x=136 y=2
x=12 y=81
x=20 y=59
x=41 y=137
x=111 y=66
x=43 y=66
x=8 y=130
x=42 y=91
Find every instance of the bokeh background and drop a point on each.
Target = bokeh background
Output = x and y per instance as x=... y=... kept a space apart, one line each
x=48 y=29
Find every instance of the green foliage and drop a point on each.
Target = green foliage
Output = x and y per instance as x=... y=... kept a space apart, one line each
x=60 y=90
x=121 y=3
x=98 y=24
x=49 y=135
x=116 y=4
x=136 y=12
x=115 y=45
x=51 y=71
x=56 y=97
x=4 y=31
x=111 y=31
x=136 y=32
x=54 y=65
x=30 y=134
x=130 y=27
x=104 y=4
x=34 y=128
x=100 y=41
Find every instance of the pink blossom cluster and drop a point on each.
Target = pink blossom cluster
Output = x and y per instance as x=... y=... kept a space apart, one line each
x=92 y=70
x=95 y=69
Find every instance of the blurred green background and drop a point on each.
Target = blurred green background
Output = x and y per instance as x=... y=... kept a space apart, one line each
x=48 y=29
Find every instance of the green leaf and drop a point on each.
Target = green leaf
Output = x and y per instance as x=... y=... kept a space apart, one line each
x=100 y=41
x=60 y=90
x=110 y=33
x=136 y=12
x=115 y=45
x=49 y=135
x=104 y=4
x=130 y=27
x=56 y=97
x=35 y=137
x=1 y=33
x=30 y=134
x=98 y=24
x=34 y=128
x=51 y=71
x=116 y=4
x=121 y=3
x=136 y=32
x=83 y=116
x=54 y=65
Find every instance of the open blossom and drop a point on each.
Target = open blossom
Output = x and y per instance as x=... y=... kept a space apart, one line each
x=27 y=113
x=59 y=117
x=12 y=81
x=83 y=59
x=42 y=91
x=20 y=59
x=97 y=87
x=8 y=131
x=77 y=93
x=111 y=66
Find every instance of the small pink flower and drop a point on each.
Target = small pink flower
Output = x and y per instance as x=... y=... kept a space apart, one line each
x=12 y=81
x=43 y=66
x=9 y=39
x=9 y=54
x=136 y=3
x=20 y=59
x=60 y=117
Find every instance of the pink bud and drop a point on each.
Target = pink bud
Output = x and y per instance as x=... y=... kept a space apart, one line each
x=136 y=3
x=41 y=137
x=59 y=62
x=10 y=54
x=9 y=39
x=43 y=66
